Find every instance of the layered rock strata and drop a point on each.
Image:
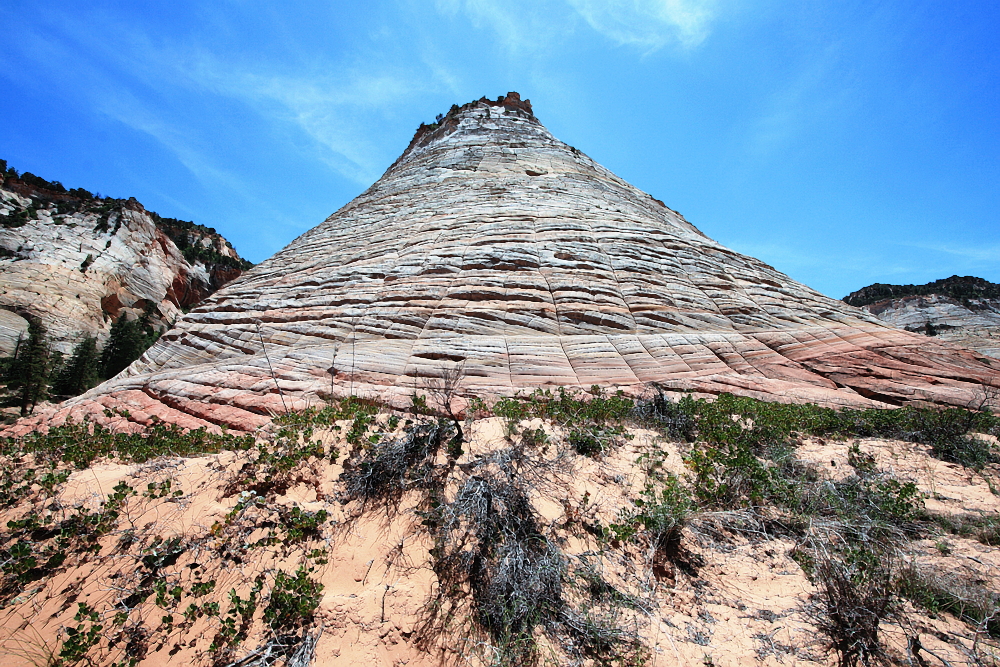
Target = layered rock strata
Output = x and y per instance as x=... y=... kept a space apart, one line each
x=78 y=265
x=960 y=310
x=491 y=247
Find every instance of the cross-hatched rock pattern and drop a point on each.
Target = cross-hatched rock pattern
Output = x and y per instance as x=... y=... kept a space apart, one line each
x=492 y=246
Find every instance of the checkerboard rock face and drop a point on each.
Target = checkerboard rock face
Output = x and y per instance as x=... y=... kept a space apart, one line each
x=492 y=246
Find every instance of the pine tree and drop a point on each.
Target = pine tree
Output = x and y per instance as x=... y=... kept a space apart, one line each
x=79 y=373
x=29 y=371
x=124 y=346
x=127 y=342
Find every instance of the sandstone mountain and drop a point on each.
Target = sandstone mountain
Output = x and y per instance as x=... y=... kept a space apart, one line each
x=78 y=262
x=961 y=310
x=492 y=248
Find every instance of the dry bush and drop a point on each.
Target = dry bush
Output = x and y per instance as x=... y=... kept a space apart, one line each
x=857 y=591
x=497 y=564
x=443 y=390
x=385 y=470
x=958 y=594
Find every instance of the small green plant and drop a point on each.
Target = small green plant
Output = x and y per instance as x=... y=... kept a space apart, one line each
x=586 y=443
x=300 y=525
x=293 y=601
x=200 y=588
x=418 y=405
x=161 y=489
x=235 y=626
x=85 y=636
x=534 y=437
x=661 y=512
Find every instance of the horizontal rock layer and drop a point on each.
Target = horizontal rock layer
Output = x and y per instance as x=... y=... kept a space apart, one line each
x=494 y=247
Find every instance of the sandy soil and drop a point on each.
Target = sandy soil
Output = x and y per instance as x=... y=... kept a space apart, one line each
x=734 y=598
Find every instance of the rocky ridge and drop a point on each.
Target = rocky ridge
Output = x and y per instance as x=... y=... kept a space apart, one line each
x=960 y=310
x=78 y=262
x=494 y=251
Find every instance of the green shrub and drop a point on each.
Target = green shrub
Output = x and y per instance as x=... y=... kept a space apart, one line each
x=677 y=419
x=757 y=425
x=586 y=442
x=293 y=601
x=78 y=444
x=661 y=512
x=235 y=626
x=879 y=500
x=564 y=406
x=729 y=475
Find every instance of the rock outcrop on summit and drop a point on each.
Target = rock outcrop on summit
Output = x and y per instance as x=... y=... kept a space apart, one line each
x=493 y=247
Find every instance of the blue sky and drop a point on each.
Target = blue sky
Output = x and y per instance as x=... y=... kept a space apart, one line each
x=843 y=142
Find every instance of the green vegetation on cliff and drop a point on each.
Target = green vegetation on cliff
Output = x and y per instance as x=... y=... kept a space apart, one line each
x=187 y=236
x=961 y=288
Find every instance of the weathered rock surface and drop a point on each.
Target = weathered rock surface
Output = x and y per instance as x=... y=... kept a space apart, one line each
x=78 y=264
x=960 y=310
x=492 y=245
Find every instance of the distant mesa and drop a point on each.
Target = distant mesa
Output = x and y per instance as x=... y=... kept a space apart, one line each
x=964 y=310
x=79 y=261
x=492 y=247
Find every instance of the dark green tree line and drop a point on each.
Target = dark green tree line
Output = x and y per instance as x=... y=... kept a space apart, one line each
x=127 y=342
x=35 y=372
x=28 y=370
x=80 y=372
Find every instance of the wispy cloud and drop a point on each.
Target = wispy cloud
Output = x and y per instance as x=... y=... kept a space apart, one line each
x=334 y=111
x=338 y=101
x=647 y=25
x=337 y=105
x=799 y=104
x=974 y=254
x=127 y=109
x=520 y=26
x=650 y=24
